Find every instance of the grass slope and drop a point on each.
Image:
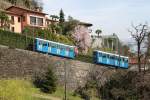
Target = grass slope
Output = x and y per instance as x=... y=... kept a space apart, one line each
x=25 y=90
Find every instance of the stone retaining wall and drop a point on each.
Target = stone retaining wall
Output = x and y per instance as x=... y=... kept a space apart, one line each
x=16 y=63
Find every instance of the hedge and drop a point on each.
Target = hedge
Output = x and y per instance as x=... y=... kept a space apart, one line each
x=15 y=40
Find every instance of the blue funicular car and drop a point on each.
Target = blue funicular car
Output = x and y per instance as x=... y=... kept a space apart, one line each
x=110 y=59
x=54 y=48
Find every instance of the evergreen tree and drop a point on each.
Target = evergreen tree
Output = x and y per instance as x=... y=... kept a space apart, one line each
x=61 y=16
x=27 y=3
x=47 y=82
x=13 y=2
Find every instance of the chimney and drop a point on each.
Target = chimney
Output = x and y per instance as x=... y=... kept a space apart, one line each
x=38 y=9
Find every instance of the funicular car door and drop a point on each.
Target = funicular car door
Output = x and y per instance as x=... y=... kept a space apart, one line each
x=58 y=49
x=99 y=57
x=44 y=46
x=107 y=59
x=49 y=47
x=62 y=50
x=95 y=57
x=39 y=45
x=104 y=60
x=71 y=52
x=67 y=52
x=126 y=63
x=116 y=61
x=122 y=62
x=53 y=48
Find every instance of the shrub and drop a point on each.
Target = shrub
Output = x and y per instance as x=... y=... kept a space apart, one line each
x=46 y=82
x=120 y=87
x=47 y=34
x=14 y=40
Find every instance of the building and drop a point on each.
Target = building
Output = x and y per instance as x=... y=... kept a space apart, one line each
x=25 y=18
x=133 y=62
x=22 y=17
x=111 y=42
x=96 y=41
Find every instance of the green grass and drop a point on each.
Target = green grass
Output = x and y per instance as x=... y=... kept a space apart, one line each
x=85 y=58
x=70 y=96
x=16 y=90
x=25 y=90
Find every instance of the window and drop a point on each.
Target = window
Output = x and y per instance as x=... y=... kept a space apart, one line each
x=36 y=21
x=12 y=19
x=100 y=54
x=24 y=18
x=40 y=21
x=12 y=29
x=104 y=55
x=45 y=44
x=32 y=20
x=19 y=19
x=40 y=43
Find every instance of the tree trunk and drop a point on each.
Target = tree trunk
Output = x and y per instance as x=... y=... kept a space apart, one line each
x=139 y=57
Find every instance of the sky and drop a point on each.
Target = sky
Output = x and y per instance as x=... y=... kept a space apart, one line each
x=111 y=16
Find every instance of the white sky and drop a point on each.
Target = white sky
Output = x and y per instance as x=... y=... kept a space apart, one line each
x=111 y=16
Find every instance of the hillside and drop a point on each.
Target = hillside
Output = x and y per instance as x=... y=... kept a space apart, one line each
x=4 y=4
x=30 y=4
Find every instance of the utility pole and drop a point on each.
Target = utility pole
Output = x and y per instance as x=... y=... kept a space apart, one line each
x=33 y=39
x=119 y=53
x=65 y=92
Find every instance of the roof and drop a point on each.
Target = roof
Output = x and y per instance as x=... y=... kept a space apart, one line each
x=8 y=12
x=13 y=13
x=86 y=24
x=51 y=20
x=111 y=54
x=28 y=10
x=110 y=36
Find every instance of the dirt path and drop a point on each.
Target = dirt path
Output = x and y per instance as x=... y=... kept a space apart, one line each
x=46 y=97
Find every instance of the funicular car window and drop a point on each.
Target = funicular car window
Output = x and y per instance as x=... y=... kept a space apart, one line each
x=115 y=57
x=58 y=46
x=104 y=55
x=123 y=59
x=40 y=42
x=108 y=56
x=111 y=57
x=71 y=49
x=126 y=60
x=49 y=44
x=61 y=48
x=53 y=45
x=44 y=43
x=100 y=54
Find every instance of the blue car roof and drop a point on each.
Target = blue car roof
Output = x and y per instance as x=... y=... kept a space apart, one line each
x=111 y=54
x=55 y=42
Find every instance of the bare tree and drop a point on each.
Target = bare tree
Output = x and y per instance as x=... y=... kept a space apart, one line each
x=139 y=33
